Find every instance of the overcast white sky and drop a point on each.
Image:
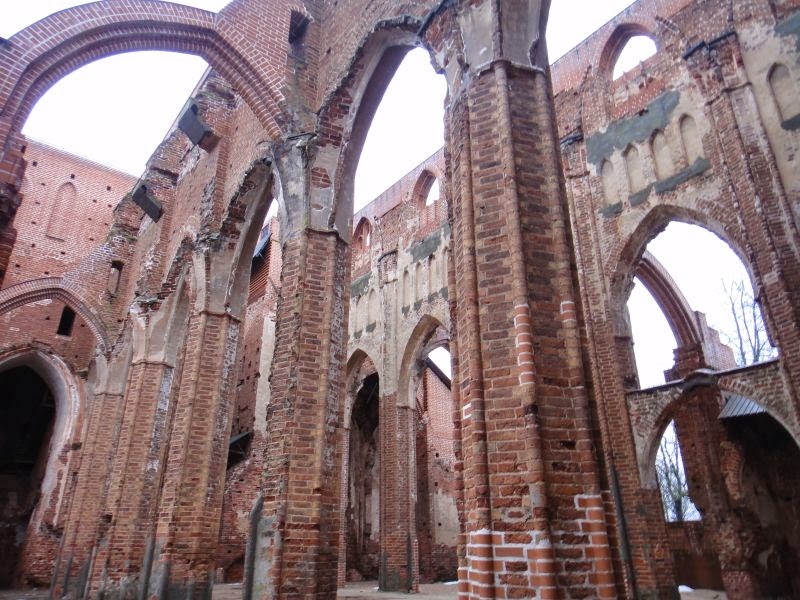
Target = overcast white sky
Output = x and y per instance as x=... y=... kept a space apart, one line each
x=115 y=111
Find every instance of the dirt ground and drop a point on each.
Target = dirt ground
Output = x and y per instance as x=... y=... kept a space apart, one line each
x=441 y=591
x=364 y=589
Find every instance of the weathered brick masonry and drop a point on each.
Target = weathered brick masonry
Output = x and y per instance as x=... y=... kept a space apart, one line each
x=234 y=398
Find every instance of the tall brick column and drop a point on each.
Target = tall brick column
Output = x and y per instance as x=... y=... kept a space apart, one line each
x=698 y=428
x=85 y=524
x=399 y=568
x=535 y=524
x=191 y=497
x=295 y=547
x=136 y=473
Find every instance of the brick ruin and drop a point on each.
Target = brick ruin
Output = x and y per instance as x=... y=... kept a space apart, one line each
x=200 y=392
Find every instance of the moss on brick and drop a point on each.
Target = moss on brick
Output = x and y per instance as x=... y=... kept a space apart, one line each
x=790 y=26
x=430 y=244
x=360 y=286
x=701 y=165
x=638 y=128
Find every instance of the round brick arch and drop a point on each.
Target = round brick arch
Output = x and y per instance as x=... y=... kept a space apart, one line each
x=666 y=413
x=38 y=56
x=54 y=288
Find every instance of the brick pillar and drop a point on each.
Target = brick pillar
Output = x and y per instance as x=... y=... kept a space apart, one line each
x=12 y=170
x=535 y=522
x=700 y=434
x=8 y=237
x=624 y=353
x=190 y=506
x=399 y=567
x=688 y=359
x=297 y=544
x=637 y=531
x=135 y=478
x=86 y=522
x=341 y=573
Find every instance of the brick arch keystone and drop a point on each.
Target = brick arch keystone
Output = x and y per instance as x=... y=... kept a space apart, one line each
x=41 y=54
x=54 y=288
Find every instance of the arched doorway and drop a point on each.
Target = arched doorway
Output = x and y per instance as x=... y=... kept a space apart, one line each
x=436 y=492
x=27 y=418
x=363 y=488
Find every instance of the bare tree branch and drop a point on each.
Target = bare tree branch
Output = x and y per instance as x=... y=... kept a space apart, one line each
x=672 y=482
x=750 y=333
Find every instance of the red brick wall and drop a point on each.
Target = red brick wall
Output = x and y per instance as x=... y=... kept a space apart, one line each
x=56 y=229
x=515 y=262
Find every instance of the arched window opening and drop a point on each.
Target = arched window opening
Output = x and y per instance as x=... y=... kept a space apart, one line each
x=362 y=529
x=719 y=314
x=662 y=156
x=363 y=236
x=114 y=275
x=635 y=51
x=692 y=144
x=437 y=515
x=634 y=167
x=27 y=416
x=672 y=482
x=409 y=127
x=653 y=340
x=265 y=267
x=66 y=322
x=433 y=193
x=784 y=91
x=610 y=186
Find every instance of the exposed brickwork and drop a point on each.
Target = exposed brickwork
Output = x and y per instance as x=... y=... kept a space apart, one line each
x=186 y=355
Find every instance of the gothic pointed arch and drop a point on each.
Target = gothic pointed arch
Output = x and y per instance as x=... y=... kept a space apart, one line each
x=631 y=248
x=347 y=113
x=422 y=340
x=612 y=47
x=56 y=288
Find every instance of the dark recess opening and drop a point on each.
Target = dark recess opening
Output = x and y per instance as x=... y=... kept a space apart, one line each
x=66 y=321
x=26 y=421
